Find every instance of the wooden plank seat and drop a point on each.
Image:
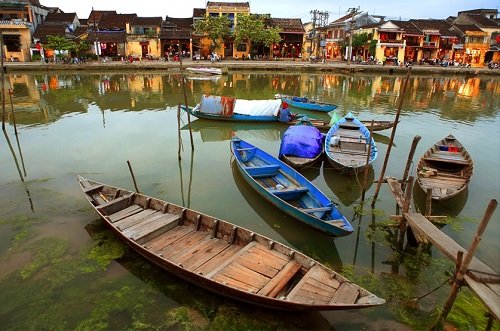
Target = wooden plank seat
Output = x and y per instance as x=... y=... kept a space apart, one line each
x=154 y=228
x=442 y=182
x=288 y=190
x=130 y=210
x=263 y=171
x=316 y=209
x=115 y=205
x=92 y=189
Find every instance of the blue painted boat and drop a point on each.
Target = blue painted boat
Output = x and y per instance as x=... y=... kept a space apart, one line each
x=347 y=144
x=224 y=108
x=288 y=190
x=308 y=104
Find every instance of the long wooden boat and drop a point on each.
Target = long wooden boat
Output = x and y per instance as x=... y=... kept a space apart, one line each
x=224 y=108
x=222 y=257
x=306 y=103
x=446 y=168
x=288 y=190
x=302 y=145
x=204 y=70
x=324 y=125
x=346 y=145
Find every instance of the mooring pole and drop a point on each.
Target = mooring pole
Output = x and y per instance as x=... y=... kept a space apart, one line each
x=404 y=84
x=11 y=92
x=179 y=138
x=459 y=277
x=414 y=144
x=365 y=178
x=2 y=77
x=406 y=208
x=133 y=177
x=185 y=101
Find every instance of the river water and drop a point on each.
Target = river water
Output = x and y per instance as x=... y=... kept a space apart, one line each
x=63 y=269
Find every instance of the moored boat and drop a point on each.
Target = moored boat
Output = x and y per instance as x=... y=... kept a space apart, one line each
x=347 y=145
x=204 y=70
x=301 y=145
x=324 y=125
x=288 y=190
x=306 y=103
x=222 y=257
x=445 y=168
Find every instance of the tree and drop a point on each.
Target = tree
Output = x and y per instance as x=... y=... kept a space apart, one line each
x=81 y=47
x=59 y=43
x=252 y=30
x=216 y=28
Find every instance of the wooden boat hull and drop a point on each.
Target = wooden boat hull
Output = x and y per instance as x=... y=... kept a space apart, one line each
x=300 y=162
x=445 y=169
x=324 y=125
x=313 y=106
x=204 y=71
x=233 y=118
x=349 y=153
x=288 y=190
x=220 y=256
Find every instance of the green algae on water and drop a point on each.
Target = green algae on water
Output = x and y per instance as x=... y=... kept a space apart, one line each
x=46 y=251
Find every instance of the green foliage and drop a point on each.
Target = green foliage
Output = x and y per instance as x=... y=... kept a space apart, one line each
x=60 y=43
x=252 y=30
x=82 y=47
x=360 y=39
x=216 y=28
x=372 y=48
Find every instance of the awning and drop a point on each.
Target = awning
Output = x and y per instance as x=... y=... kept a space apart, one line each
x=144 y=43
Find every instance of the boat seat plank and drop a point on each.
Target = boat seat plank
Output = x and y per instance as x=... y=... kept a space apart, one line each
x=204 y=255
x=346 y=294
x=278 y=282
x=156 y=228
x=157 y=244
x=130 y=210
x=183 y=255
x=235 y=283
x=287 y=190
x=134 y=219
x=235 y=270
x=112 y=206
x=143 y=222
x=262 y=250
x=211 y=264
x=317 y=209
x=258 y=264
x=190 y=239
x=92 y=188
x=263 y=171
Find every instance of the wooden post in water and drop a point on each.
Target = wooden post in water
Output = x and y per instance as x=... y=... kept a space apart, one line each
x=459 y=277
x=185 y=100
x=414 y=144
x=179 y=138
x=2 y=77
x=406 y=208
x=133 y=177
x=404 y=84
x=365 y=178
x=428 y=202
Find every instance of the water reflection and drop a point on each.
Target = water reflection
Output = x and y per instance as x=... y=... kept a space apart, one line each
x=41 y=99
x=347 y=188
x=450 y=207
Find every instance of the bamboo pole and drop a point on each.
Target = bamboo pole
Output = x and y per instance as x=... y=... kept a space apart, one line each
x=365 y=178
x=414 y=144
x=179 y=138
x=406 y=208
x=404 y=85
x=459 y=277
x=133 y=177
x=11 y=92
x=185 y=101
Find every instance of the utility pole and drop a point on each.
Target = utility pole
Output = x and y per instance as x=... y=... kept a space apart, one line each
x=352 y=12
x=319 y=21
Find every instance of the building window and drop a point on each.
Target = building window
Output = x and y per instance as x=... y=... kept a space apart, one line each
x=12 y=43
x=241 y=47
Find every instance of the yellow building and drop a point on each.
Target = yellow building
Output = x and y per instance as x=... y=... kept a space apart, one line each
x=142 y=37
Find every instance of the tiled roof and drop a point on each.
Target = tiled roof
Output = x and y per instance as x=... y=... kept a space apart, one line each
x=199 y=12
x=442 y=26
x=288 y=25
x=147 y=21
x=343 y=18
x=44 y=30
x=116 y=21
x=467 y=27
x=172 y=34
x=483 y=21
x=108 y=36
x=59 y=18
x=373 y=25
x=228 y=4
x=408 y=27
x=177 y=23
x=96 y=15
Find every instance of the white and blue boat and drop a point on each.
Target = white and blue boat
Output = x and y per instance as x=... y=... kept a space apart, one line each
x=288 y=190
x=347 y=144
x=306 y=103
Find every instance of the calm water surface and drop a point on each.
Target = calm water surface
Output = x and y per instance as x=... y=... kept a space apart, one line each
x=63 y=269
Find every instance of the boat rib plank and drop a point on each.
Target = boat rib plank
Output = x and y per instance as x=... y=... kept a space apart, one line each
x=234 y=283
x=132 y=220
x=262 y=258
x=241 y=251
x=185 y=254
x=278 y=282
x=130 y=210
x=212 y=263
x=156 y=244
x=314 y=295
x=258 y=265
x=260 y=249
x=237 y=271
x=346 y=294
x=144 y=222
x=317 y=273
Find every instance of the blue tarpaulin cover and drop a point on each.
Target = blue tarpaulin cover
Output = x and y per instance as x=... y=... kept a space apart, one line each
x=301 y=141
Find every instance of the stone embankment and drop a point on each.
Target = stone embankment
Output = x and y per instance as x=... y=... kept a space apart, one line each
x=232 y=65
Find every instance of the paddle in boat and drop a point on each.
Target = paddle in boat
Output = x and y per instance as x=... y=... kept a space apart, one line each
x=226 y=108
x=222 y=257
x=445 y=168
x=288 y=190
x=306 y=103
x=346 y=145
x=301 y=145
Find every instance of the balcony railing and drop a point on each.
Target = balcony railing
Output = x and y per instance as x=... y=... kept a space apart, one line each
x=412 y=43
x=430 y=44
x=16 y=23
x=142 y=36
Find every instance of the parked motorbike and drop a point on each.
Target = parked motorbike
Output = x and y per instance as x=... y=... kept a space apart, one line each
x=493 y=65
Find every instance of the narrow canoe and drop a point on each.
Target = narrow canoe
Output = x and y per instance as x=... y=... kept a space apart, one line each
x=347 y=144
x=299 y=144
x=445 y=168
x=222 y=257
x=324 y=125
x=308 y=104
x=288 y=190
